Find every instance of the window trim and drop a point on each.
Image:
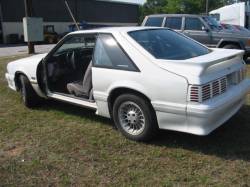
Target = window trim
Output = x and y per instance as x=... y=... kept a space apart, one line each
x=163 y=20
x=125 y=53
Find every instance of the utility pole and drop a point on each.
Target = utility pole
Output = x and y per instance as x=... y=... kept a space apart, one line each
x=207 y=4
x=71 y=14
x=28 y=13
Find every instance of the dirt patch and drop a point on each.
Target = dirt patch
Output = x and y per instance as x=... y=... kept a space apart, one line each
x=12 y=151
x=15 y=152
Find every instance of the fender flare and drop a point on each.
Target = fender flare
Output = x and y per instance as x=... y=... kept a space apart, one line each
x=129 y=85
x=240 y=43
x=37 y=89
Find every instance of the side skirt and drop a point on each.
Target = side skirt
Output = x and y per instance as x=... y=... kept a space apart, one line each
x=79 y=102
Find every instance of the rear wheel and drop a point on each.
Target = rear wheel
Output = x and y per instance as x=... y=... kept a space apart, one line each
x=134 y=117
x=29 y=96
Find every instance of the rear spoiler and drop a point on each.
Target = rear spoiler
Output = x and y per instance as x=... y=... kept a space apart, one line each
x=208 y=63
x=199 y=65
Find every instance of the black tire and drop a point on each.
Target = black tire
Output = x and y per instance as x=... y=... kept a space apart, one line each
x=231 y=46
x=150 y=128
x=29 y=96
x=245 y=58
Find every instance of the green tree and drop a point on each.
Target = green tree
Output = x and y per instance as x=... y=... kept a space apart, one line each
x=179 y=6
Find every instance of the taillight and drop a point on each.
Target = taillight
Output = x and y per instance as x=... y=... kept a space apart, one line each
x=200 y=93
x=194 y=93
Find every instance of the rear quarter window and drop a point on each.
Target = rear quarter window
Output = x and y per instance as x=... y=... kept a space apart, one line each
x=154 y=21
x=109 y=54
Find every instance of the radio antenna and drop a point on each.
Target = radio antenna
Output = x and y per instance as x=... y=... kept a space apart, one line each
x=71 y=14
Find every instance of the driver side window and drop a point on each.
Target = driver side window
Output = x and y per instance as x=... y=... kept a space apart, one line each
x=60 y=62
x=69 y=61
x=75 y=42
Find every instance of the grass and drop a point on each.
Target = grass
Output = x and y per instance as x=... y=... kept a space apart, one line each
x=62 y=145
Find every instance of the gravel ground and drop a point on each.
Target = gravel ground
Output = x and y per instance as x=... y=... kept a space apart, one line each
x=11 y=50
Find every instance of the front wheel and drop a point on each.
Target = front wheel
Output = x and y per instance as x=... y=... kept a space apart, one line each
x=134 y=117
x=29 y=96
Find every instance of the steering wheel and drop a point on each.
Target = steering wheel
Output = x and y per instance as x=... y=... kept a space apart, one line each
x=71 y=59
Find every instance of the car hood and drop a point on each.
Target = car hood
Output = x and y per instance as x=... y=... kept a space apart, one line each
x=205 y=68
x=232 y=34
x=26 y=65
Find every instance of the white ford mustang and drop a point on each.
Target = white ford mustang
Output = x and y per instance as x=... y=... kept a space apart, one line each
x=144 y=78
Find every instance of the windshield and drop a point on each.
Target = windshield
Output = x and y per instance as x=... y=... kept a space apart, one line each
x=168 y=44
x=212 y=22
x=230 y=27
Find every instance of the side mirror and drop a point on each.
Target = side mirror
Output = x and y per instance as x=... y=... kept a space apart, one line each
x=205 y=29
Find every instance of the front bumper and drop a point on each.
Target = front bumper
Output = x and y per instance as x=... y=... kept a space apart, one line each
x=11 y=81
x=204 y=118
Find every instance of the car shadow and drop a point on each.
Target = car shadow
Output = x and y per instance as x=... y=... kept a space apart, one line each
x=74 y=110
x=230 y=141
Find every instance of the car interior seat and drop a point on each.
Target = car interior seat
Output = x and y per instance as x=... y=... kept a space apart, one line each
x=82 y=88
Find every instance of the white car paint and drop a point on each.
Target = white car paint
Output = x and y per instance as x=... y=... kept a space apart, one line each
x=28 y=67
x=165 y=82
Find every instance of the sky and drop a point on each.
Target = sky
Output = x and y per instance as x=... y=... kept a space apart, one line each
x=132 y=1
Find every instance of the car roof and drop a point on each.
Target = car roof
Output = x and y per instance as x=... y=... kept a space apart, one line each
x=114 y=30
x=176 y=15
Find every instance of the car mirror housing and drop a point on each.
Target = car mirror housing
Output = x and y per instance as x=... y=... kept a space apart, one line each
x=205 y=29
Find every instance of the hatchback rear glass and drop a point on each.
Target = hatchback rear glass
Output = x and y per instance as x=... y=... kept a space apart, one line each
x=168 y=44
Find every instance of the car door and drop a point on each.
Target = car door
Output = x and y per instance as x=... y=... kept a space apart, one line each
x=66 y=62
x=196 y=29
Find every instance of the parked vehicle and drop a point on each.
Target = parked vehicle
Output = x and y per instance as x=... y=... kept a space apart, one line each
x=140 y=77
x=204 y=29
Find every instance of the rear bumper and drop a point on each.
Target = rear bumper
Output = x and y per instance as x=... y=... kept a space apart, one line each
x=201 y=119
x=204 y=118
x=10 y=80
